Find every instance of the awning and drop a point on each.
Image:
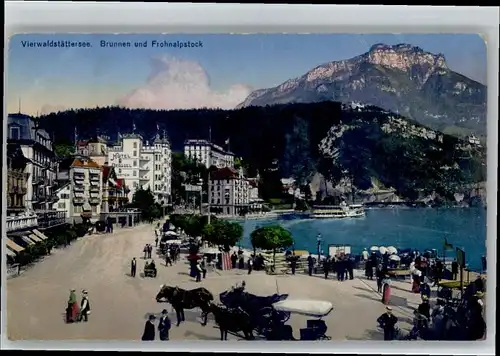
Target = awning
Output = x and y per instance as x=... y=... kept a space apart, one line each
x=28 y=240
x=35 y=238
x=13 y=246
x=39 y=234
x=10 y=253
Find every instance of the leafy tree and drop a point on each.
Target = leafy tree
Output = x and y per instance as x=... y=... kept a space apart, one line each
x=272 y=238
x=144 y=200
x=63 y=150
x=223 y=233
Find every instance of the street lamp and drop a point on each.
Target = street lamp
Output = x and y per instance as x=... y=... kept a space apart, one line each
x=200 y=183
x=318 y=239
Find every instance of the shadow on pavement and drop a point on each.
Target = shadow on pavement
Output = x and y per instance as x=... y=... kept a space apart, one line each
x=369 y=335
x=201 y=336
x=368 y=297
x=365 y=289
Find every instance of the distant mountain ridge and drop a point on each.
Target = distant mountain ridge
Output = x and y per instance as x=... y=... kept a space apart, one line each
x=400 y=78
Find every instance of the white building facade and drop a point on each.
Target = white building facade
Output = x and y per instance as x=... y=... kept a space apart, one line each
x=36 y=145
x=64 y=202
x=86 y=190
x=144 y=166
x=229 y=192
x=208 y=153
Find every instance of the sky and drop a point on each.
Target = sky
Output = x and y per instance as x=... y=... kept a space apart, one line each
x=219 y=73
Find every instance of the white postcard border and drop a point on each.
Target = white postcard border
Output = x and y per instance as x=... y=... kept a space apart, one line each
x=77 y=17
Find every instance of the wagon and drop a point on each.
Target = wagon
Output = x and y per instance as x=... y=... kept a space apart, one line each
x=316 y=309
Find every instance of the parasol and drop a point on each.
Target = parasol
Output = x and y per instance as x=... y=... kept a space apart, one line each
x=374 y=248
x=210 y=251
x=395 y=258
x=382 y=250
x=171 y=233
x=392 y=250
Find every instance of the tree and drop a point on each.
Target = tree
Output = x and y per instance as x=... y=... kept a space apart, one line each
x=144 y=200
x=223 y=233
x=271 y=238
x=63 y=150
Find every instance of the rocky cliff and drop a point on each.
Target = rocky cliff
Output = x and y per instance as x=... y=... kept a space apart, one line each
x=401 y=78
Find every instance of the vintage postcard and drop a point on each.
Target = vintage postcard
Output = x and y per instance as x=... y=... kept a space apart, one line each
x=230 y=187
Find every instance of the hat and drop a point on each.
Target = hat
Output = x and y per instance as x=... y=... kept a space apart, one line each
x=151 y=317
x=479 y=294
x=388 y=308
x=72 y=290
x=164 y=311
x=84 y=292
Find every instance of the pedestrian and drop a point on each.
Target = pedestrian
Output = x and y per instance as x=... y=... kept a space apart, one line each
x=84 y=306
x=310 y=264
x=149 y=329
x=164 y=325
x=379 y=276
x=250 y=264
x=454 y=269
x=387 y=322
x=145 y=250
x=293 y=264
x=133 y=267
x=241 y=263
x=326 y=266
x=198 y=271
x=424 y=308
x=150 y=250
x=386 y=289
x=72 y=310
x=156 y=241
x=234 y=258
x=168 y=260
x=350 y=267
x=204 y=267
x=364 y=254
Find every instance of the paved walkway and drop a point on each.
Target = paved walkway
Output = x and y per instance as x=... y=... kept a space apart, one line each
x=37 y=299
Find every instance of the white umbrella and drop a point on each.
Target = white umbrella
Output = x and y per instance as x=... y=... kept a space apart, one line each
x=374 y=248
x=382 y=250
x=170 y=233
x=392 y=250
x=395 y=258
x=209 y=250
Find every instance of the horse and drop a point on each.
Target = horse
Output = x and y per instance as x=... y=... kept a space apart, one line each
x=181 y=299
x=259 y=308
x=231 y=319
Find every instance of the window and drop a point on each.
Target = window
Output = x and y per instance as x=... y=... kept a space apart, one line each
x=119 y=160
x=135 y=145
x=134 y=153
x=15 y=133
x=64 y=196
x=119 y=170
x=135 y=163
x=61 y=205
x=135 y=184
x=78 y=208
x=135 y=174
x=94 y=209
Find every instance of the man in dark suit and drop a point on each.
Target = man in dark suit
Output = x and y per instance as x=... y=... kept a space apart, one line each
x=149 y=329
x=164 y=325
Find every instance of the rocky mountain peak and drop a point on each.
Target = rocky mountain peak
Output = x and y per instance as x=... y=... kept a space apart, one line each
x=403 y=56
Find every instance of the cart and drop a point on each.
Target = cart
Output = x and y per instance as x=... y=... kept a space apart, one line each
x=316 y=309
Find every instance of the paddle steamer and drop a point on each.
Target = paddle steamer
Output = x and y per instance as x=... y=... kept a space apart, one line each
x=341 y=211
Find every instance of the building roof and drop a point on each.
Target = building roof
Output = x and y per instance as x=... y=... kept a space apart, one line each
x=26 y=126
x=82 y=143
x=225 y=173
x=253 y=182
x=87 y=163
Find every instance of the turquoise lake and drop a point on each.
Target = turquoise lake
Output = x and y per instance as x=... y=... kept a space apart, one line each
x=403 y=228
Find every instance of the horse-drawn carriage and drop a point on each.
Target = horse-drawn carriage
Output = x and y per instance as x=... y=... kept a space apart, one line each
x=315 y=328
x=150 y=270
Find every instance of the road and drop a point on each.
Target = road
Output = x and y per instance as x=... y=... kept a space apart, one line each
x=37 y=299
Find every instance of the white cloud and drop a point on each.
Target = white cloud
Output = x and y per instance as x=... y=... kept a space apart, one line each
x=181 y=84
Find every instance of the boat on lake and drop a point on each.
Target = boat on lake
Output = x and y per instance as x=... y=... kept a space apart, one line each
x=341 y=211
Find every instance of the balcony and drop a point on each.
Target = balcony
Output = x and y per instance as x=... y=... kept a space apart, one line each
x=21 y=222
x=94 y=201
x=78 y=188
x=17 y=190
x=50 y=218
x=38 y=180
x=78 y=200
x=95 y=188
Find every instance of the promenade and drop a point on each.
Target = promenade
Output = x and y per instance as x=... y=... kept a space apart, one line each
x=37 y=299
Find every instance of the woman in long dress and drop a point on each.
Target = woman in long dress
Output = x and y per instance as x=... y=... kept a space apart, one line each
x=386 y=289
x=73 y=310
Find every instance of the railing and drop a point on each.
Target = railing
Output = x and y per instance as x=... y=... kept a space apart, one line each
x=94 y=201
x=17 y=190
x=49 y=218
x=77 y=200
x=20 y=222
x=94 y=188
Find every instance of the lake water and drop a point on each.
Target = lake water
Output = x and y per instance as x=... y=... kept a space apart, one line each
x=403 y=228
